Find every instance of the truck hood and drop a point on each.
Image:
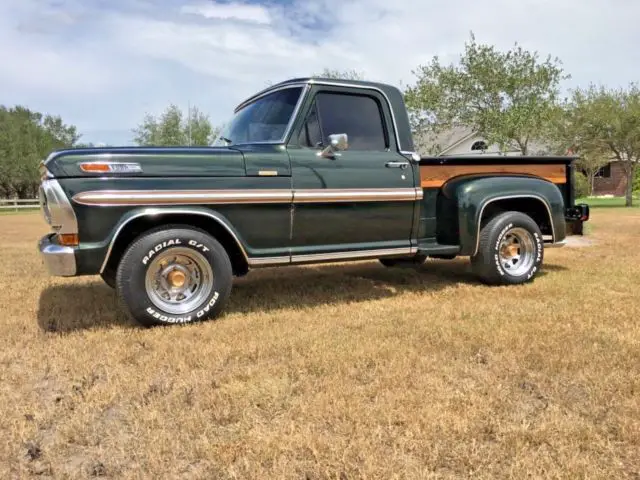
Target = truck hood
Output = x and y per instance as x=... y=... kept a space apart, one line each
x=146 y=162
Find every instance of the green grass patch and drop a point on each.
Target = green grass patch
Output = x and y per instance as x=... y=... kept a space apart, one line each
x=607 y=202
x=18 y=212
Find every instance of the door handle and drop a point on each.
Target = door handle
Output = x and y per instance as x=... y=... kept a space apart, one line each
x=394 y=164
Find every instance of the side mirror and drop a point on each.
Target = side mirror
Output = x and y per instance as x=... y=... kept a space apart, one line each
x=337 y=142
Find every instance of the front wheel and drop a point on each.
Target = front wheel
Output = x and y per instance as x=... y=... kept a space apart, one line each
x=174 y=275
x=510 y=250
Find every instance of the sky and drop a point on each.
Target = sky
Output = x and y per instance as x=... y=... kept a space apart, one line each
x=103 y=64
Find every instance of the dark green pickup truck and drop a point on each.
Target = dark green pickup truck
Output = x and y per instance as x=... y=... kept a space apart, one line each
x=306 y=171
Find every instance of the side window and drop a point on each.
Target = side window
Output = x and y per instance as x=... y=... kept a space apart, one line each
x=310 y=136
x=359 y=116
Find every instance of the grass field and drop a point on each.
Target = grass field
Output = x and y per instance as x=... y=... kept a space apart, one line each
x=607 y=202
x=20 y=211
x=338 y=371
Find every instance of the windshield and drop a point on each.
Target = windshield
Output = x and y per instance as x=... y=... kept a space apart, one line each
x=264 y=120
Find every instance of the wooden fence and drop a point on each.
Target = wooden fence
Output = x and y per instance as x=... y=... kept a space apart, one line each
x=15 y=204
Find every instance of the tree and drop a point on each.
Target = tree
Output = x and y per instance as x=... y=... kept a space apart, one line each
x=567 y=135
x=608 y=121
x=590 y=163
x=26 y=138
x=173 y=128
x=338 y=74
x=507 y=97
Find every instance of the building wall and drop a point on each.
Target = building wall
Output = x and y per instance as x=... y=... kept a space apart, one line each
x=613 y=184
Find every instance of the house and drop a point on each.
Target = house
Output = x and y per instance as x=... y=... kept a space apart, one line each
x=461 y=140
x=611 y=180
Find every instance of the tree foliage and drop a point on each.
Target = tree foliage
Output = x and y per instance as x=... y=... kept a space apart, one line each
x=566 y=136
x=591 y=162
x=582 y=188
x=27 y=138
x=340 y=74
x=605 y=122
x=173 y=128
x=507 y=97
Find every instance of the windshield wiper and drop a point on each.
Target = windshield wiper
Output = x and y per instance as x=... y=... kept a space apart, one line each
x=226 y=140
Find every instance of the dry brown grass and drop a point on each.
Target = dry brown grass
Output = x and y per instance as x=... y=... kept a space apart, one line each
x=341 y=371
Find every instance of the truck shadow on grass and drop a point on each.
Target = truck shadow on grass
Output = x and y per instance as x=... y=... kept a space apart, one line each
x=68 y=308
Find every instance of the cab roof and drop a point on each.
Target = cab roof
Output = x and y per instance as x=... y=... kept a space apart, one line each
x=392 y=93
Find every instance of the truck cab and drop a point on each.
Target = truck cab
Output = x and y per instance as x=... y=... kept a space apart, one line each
x=309 y=170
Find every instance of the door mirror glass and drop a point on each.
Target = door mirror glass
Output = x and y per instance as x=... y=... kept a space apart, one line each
x=337 y=143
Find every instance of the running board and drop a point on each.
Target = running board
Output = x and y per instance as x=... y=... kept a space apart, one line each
x=431 y=249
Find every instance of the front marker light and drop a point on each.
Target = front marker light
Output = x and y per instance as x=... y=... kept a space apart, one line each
x=110 y=167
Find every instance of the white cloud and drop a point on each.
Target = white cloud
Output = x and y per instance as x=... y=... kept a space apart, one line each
x=122 y=61
x=230 y=11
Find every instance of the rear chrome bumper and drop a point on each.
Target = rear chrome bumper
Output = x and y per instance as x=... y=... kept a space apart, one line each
x=59 y=260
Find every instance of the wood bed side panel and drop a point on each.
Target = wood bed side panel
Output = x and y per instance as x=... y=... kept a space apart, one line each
x=438 y=175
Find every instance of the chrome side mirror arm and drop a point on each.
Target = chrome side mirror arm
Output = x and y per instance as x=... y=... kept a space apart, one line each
x=337 y=143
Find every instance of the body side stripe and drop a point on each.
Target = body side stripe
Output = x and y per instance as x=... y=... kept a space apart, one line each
x=204 y=197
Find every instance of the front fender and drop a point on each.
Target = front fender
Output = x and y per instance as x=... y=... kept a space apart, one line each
x=168 y=212
x=473 y=194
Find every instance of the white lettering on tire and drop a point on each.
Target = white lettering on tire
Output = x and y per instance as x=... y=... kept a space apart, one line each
x=168 y=319
x=498 y=266
x=539 y=246
x=169 y=243
x=160 y=246
x=496 y=257
x=193 y=243
x=209 y=305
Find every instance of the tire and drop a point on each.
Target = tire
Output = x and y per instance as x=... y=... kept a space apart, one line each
x=510 y=250
x=109 y=277
x=175 y=275
x=404 y=262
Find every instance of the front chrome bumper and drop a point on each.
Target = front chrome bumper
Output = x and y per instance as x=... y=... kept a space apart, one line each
x=60 y=261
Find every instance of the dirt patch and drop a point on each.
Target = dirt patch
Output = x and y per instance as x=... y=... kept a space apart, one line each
x=578 y=241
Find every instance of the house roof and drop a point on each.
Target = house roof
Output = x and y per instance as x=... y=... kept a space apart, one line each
x=429 y=142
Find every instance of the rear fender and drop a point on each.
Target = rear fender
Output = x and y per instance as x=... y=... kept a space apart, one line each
x=477 y=196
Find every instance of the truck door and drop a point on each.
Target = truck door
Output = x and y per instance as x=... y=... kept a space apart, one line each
x=357 y=200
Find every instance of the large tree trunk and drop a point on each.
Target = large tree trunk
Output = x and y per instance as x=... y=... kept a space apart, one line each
x=630 y=171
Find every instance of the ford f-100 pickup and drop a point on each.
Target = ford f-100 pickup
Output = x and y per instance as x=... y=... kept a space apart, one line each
x=309 y=170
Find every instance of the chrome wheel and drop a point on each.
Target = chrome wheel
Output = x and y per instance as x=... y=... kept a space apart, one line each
x=517 y=251
x=178 y=280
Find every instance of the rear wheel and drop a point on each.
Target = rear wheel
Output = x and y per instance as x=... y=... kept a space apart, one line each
x=176 y=275
x=510 y=250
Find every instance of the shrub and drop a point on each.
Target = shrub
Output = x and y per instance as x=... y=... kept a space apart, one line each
x=581 y=186
x=636 y=181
